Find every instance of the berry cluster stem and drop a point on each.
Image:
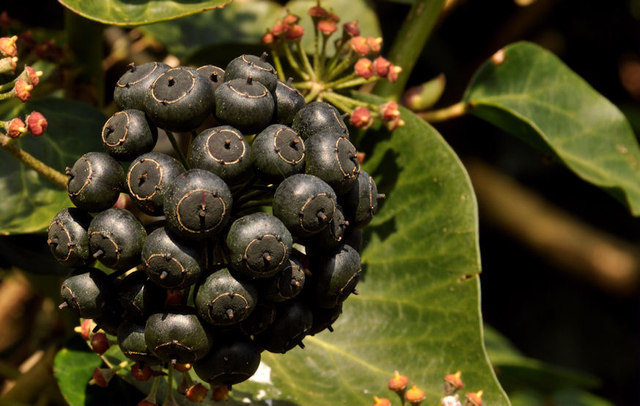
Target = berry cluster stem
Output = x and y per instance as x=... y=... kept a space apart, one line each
x=55 y=177
x=176 y=148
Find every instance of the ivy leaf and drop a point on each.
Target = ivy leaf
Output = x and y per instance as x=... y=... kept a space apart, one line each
x=241 y=23
x=29 y=201
x=418 y=305
x=529 y=92
x=129 y=13
x=73 y=368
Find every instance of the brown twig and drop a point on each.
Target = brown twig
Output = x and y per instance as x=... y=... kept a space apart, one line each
x=604 y=259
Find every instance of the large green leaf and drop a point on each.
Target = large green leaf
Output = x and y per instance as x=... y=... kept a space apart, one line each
x=241 y=23
x=529 y=92
x=136 y=12
x=73 y=368
x=29 y=201
x=418 y=307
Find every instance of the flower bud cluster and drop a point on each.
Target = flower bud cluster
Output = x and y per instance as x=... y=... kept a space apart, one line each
x=356 y=62
x=415 y=396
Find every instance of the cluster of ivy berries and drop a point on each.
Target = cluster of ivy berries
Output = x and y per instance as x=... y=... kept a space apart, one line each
x=20 y=87
x=250 y=240
x=414 y=396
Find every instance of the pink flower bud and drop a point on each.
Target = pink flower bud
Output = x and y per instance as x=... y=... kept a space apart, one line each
x=8 y=46
x=364 y=68
x=23 y=90
x=327 y=26
x=291 y=19
x=279 y=28
x=268 y=38
x=34 y=75
x=351 y=28
x=360 y=45
x=389 y=111
x=16 y=128
x=318 y=12
x=361 y=118
x=394 y=70
x=374 y=44
x=295 y=32
x=381 y=66
x=36 y=123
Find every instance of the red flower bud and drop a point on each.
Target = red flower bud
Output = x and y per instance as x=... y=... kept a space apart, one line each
x=99 y=343
x=381 y=66
x=333 y=17
x=36 y=123
x=394 y=70
x=364 y=68
x=141 y=373
x=23 y=90
x=360 y=45
x=268 y=38
x=182 y=367
x=279 y=28
x=34 y=75
x=361 y=117
x=295 y=32
x=196 y=393
x=318 y=12
x=291 y=19
x=16 y=128
x=351 y=28
x=389 y=111
x=147 y=402
x=381 y=401
x=8 y=46
x=327 y=26
x=102 y=376
x=374 y=44
x=221 y=393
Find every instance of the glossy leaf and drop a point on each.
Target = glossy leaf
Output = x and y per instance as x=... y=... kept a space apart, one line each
x=73 y=368
x=29 y=201
x=136 y=12
x=529 y=92
x=418 y=307
x=240 y=23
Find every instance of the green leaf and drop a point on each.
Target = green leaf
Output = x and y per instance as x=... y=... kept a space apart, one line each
x=241 y=23
x=418 y=307
x=29 y=201
x=534 y=95
x=136 y=12
x=73 y=368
